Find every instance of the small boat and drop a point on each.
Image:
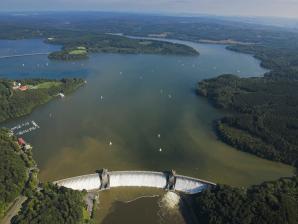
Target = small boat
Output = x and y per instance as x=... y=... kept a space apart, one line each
x=61 y=95
x=34 y=123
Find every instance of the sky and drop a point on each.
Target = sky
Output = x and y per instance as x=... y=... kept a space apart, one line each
x=271 y=8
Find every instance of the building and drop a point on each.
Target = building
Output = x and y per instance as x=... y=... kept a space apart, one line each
x=23 y=88
x=21 y=142
x=16 y=85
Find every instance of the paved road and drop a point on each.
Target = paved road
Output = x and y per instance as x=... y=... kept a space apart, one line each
x=13 y=210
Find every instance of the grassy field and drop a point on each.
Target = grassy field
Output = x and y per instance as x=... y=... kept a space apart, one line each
x=46 y=85
x=78 y=51
x=81 y=48
x=86 y=215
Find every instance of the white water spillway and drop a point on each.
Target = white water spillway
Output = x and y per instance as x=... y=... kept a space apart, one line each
x=162 y=180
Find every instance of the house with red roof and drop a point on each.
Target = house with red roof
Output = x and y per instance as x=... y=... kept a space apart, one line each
x=23 y=88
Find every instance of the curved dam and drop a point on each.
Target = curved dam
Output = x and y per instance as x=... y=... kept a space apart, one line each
x=163 y=180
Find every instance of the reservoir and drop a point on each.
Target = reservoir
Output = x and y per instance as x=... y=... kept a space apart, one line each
x=136 y=112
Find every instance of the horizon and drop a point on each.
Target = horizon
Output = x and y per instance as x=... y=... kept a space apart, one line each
x=169 y=14
x=228 y=8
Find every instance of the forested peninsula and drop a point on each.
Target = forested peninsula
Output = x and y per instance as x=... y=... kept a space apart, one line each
x=77 y=47
x=264 y=121
x=20 y=97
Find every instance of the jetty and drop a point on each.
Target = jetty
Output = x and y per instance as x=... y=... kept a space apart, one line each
x=24 y=128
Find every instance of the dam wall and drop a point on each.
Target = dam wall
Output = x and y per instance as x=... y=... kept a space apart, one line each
x=137 y=179
x=160 y=180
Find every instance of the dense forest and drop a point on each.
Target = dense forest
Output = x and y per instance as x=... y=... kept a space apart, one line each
x=274 y=202
x=266 y=123
x=15 y=103
x=52 y=205
x=14 y=169
x=45 y=203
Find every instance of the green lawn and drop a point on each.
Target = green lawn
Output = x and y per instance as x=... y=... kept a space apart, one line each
x=47 y=85
x=81 y=48
x=78 y=51
x=86 y=215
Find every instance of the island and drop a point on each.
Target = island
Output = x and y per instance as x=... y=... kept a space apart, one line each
x=20 y=97
x=78 y=46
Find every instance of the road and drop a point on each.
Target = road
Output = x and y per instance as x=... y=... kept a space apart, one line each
x=13 y=210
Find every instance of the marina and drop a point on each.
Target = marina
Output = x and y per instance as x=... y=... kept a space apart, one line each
x=24 y=128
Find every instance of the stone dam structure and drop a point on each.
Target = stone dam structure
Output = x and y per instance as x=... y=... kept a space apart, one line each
x=103 y=180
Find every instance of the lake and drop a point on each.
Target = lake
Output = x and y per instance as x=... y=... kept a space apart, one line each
x=137 y=112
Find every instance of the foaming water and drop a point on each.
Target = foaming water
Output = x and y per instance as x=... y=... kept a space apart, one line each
x=170 y=200
x=169 y=211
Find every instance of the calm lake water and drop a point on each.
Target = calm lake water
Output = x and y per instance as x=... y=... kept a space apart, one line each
x=129 y=100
